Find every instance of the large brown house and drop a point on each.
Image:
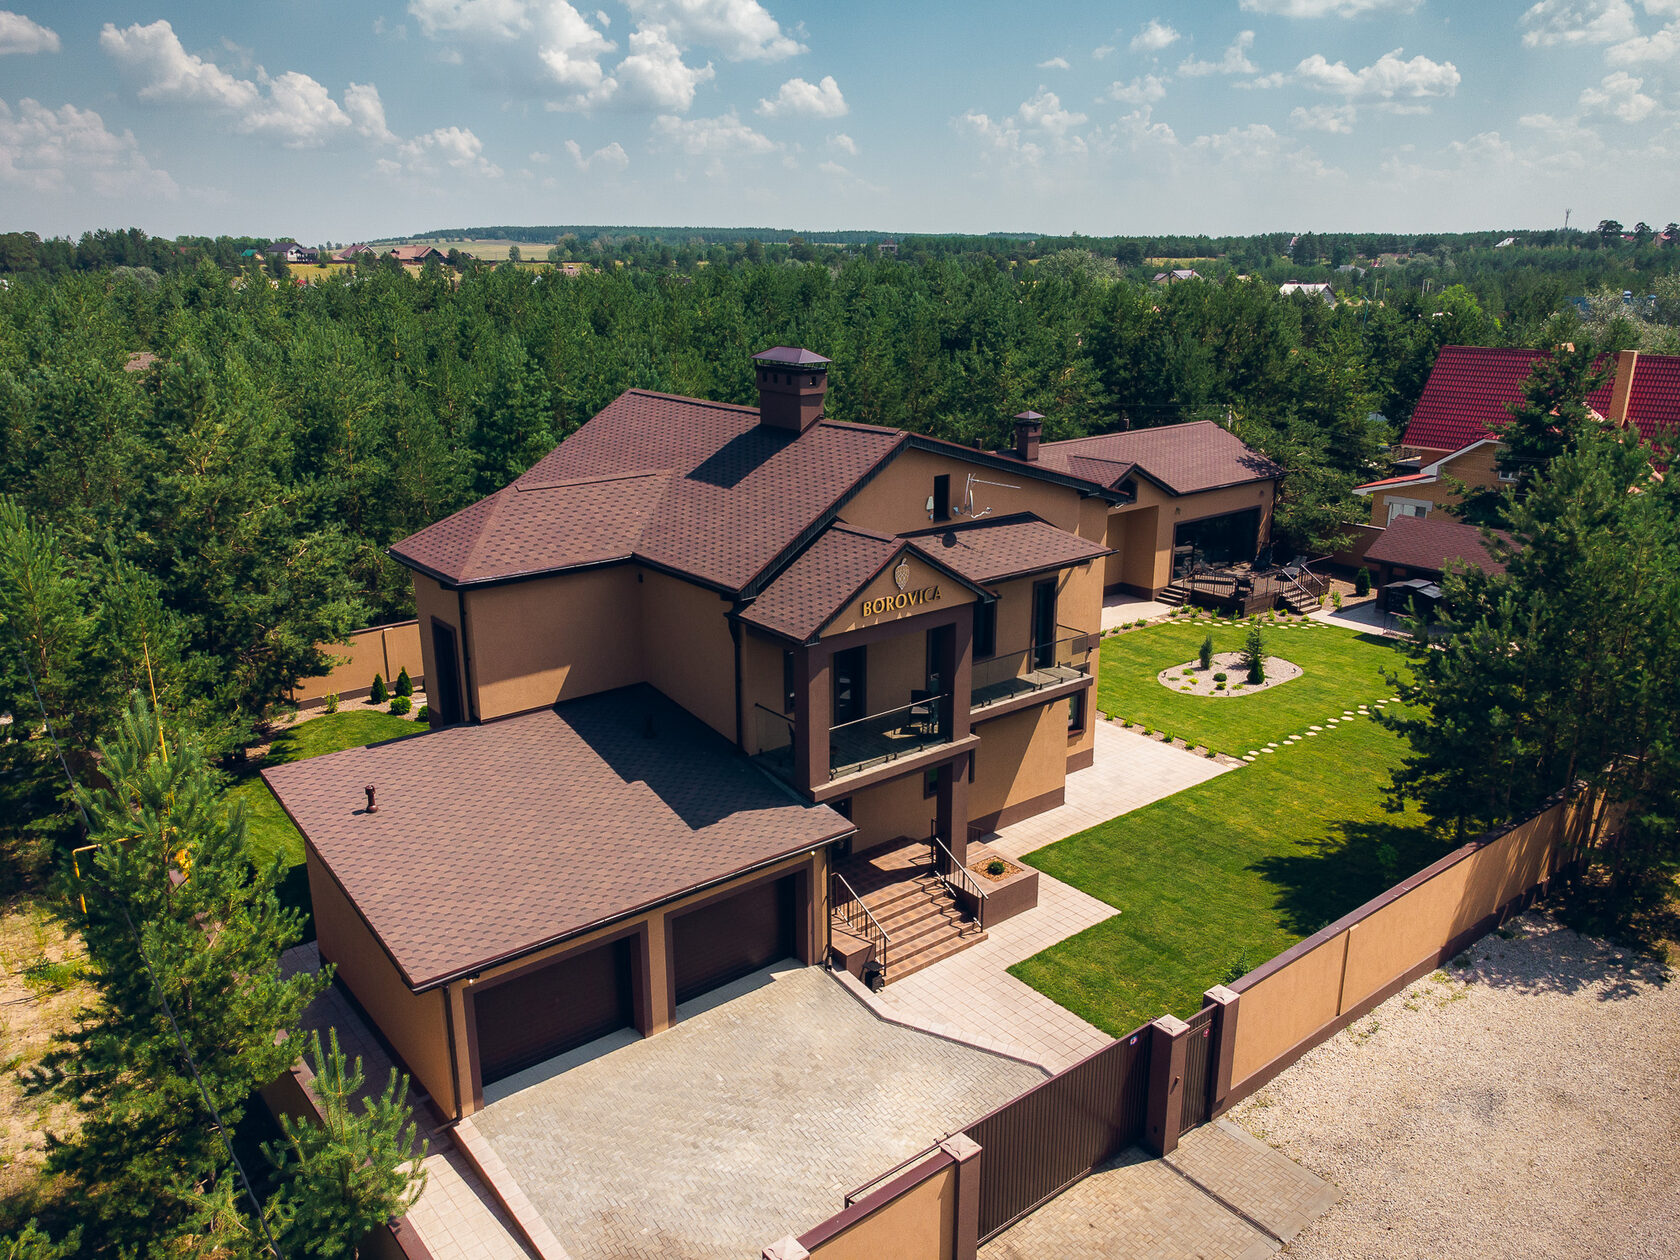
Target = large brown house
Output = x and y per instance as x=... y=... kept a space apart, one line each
x=692 y=660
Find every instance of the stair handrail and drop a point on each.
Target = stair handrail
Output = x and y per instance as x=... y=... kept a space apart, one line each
x=869 y=928
x=971 y=884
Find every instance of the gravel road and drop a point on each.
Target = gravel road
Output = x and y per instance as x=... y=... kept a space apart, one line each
x=1527 y=1104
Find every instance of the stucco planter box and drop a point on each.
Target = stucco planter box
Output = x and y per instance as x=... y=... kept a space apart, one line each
x=1007 y=895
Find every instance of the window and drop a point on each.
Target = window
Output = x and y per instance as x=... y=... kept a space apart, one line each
x=1044 y=623
x=787 y=682
x=850 y=685
x=985 y=630
x=1507 y=475
x=942 y=497
x=1076 y=713
x=930 y=782
x=1407 y=507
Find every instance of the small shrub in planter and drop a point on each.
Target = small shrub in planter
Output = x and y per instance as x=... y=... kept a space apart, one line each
x=1362 y=583
x=1221 y=676
x=1206 y=654
x=1336 y=599
x=423 y=713
x=379 y=695
x=332 y=702
x=995 y=867
x=400 y=705
x=403 y=686
x=1219 y=686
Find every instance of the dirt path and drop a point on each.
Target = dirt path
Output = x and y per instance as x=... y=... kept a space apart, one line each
x=1526 y=1103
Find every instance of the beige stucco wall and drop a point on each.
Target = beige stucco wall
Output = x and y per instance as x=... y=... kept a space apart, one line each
x=432 y=602
x=1148 y=563
x=554 y=638
x=917 y=1225
x=1022 y=755
x=761 y=684
x=686 y=648
x=890 y=810
x=922 y=577
x=412 y=1022
x=895 y=502
x=1477 y=468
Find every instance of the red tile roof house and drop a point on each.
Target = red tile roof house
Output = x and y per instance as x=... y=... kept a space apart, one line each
x=696 y=672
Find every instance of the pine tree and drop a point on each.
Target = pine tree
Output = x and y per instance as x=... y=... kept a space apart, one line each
x=184 y=935
x=1254 y=656
x=355 y=1170
x=378 y=694
x=405 y=685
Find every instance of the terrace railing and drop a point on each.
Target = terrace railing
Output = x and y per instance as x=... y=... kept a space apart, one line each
x=1064 y=659
x=845 y=905
x=958 y=878
x=883 y=737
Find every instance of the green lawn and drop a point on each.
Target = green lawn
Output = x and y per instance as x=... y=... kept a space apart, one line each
x=270 y=830
x=1340 y=670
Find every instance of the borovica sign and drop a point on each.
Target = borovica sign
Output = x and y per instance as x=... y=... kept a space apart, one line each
x=904 y=599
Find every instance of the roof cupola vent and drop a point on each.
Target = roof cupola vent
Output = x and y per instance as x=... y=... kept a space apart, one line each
x=1029 y=427
x=791 y=386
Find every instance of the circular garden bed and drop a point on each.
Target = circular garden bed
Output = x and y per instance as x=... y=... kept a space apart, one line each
x=1228 y=676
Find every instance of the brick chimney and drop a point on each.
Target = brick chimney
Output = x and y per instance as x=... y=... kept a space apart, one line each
x=791 y=385
x=1029 y=427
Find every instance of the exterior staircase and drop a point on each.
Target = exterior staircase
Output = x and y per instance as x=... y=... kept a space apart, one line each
x=910 y=904
x=1298 y=602
x=1174 y=596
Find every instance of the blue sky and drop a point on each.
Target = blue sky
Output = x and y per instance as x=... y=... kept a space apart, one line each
x=384 y=117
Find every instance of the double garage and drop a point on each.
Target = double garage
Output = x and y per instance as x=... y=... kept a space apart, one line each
x=529 y=1015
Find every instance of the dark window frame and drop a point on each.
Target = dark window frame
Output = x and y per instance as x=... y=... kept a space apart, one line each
x=859 y=688
x=942 y=497
x=985 y=630
x=1076 y=713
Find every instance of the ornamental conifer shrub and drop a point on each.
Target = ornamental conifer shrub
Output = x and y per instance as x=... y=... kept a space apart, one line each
x=379 y=694
x=404 y=687
x=1254 y=656
x=1206 y=653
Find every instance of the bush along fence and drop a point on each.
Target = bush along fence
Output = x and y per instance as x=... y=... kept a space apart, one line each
x=1167 y=1077
x=384 y=650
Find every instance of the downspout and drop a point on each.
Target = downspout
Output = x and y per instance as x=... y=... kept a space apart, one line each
x=454 y=1063
x=740 y=716
x=466 y=656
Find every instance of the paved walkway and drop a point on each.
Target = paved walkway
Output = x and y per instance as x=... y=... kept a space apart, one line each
x=1120 y=610
x=971 y=996
x=739 y=1125
x=1223 y=1195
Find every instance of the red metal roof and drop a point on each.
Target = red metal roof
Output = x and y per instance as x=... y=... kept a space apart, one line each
x=1184 y=458
x=575 y=815
x=1469 y=394
x=1433 y=544
x=1654 y=400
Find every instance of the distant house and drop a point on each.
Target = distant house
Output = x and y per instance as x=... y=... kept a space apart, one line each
x=290 y=251
x=1419 y=493
x=140 y=361
x=1506 y=243
x=888 y=246
x=352 y=252
x=418 y=255
x=573 y=268
x=1320 y=290
x=1415 y=553
x=1174 y=276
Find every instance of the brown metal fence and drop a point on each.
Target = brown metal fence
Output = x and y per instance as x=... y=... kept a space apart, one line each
x=1042 y=1142
x=1197 y=1061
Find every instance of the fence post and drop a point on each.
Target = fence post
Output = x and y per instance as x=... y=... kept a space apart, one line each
x=1224 y=1051
x=1167 y=1048
x=965 y=1237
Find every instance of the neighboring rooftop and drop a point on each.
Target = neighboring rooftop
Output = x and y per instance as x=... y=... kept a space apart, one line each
x=1181 y=458
x=1469 y=393
x=1432 y=544
x=638 y=803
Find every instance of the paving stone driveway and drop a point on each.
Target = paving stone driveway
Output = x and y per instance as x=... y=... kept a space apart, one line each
x=743 y=1123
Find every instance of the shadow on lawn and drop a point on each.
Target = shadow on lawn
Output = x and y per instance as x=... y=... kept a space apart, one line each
x=1344 y=870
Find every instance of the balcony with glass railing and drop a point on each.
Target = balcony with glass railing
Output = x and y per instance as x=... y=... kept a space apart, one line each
x=1040 y=667
x=877 y=739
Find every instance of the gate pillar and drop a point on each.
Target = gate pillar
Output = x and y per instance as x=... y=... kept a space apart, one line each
x=1166 y=1083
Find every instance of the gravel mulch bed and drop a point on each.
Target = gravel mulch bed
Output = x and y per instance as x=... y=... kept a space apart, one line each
x=1524 y=1104
x=1201 y=682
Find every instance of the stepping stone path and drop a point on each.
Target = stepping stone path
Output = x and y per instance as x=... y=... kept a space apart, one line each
x=1315 y=728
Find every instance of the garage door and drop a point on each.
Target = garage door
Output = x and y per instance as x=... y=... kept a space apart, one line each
x=731 y=937
x=554 y=1009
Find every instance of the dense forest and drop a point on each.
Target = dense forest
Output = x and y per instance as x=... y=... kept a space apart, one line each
x=202 y=464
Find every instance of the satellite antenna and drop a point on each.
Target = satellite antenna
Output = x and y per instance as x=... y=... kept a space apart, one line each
x=968 y=495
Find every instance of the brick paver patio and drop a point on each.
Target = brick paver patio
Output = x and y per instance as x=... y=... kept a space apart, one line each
x=1222 y=1195
x=743 y=1123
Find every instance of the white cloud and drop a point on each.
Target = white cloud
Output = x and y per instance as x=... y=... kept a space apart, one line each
x=834 y=169
x=810 y=100
x=1275 y=79
x=722 y=136
x=571 y=50
x=655 y=75
x=1003 y=136
x=1337 y=119
x=602 y=17
x=1045 y=113
x=1618 y=96
x=1553 y=22
x=20 y=35
x=454 y=147
x=612 y=155
x=742 y=30
x=1254 y=139
x=1155 y=36
x=1055 y=63
x=297 y=111
x=70 y=150
x=1328 y=8
x=367 y=113
x=840 y=142
x=1101 y=51
x=1042 y=125
x=1660 y=48
x=1145 y=90
x=1386 y=78
x=1235 y=60
x=169 y=72
x=492 y=19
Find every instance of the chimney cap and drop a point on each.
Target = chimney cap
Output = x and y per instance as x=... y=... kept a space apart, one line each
x=790 y=356
x=1028 y=415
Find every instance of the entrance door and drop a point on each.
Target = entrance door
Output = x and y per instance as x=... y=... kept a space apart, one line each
x=533 y=1017
x=1044 y=623
x=851 y=685
x=443 y=686
x=733 y=937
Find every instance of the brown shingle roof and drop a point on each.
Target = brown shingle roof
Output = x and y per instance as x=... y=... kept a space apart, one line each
x=1184 y=458
x=1433 y=544
x=807 y=593
x=736 y=497
x=1007 y=547
x=575 y=816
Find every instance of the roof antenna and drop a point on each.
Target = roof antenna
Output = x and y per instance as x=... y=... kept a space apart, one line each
x=968 y=495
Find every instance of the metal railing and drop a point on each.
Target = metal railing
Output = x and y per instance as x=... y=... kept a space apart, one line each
x=964 y=880
x=1042 y=665
x=854 y=1195
x=844 y=902
x=882 y=737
